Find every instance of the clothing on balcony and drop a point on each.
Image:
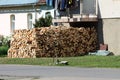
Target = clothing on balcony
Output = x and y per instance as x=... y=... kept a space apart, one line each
x=62 y=4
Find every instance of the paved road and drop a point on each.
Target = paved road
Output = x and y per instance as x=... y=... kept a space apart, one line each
x=28 y=72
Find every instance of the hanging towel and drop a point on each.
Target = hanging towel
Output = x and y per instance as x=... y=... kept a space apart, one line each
x=49 y=2
x=53 y=3
x=56 y=4
x=63 y=5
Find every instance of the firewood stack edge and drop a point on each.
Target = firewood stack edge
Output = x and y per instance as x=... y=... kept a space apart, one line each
x=52 y=41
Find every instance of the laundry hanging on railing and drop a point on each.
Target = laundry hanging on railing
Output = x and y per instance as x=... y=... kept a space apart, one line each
x=62 y=4
x=49 y=2
x=69 y=3
x=73 y=3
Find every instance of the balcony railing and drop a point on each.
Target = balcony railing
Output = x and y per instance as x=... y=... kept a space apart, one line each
x=86 y=11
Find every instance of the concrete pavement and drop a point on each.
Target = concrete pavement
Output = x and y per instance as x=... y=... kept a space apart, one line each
x=29 y=72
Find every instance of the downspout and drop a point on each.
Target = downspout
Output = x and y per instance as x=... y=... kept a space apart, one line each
x=97 y=7
x=56 y=10
x=81 y=6
x=35 y=10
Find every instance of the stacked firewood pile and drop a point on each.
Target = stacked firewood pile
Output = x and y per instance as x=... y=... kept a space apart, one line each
x=50 y=42
x=21 y=44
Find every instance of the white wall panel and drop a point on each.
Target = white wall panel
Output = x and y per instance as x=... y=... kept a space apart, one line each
x=109 y=8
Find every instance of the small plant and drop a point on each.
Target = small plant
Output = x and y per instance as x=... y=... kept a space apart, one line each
x=43 y=22
x=3 y=50
x=1 y=39
x=48 y=20
x=5 y=44
x=6 y=41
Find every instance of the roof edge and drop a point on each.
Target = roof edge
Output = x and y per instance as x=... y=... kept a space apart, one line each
x=39 y=2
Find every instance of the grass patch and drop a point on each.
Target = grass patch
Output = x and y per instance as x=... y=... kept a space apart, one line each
x=26 y=61
x=83 y=61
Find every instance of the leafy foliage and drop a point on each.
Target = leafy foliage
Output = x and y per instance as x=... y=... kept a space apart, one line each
x=3 y=50
x=6 y=41
x=5 y=44
x=43 y=22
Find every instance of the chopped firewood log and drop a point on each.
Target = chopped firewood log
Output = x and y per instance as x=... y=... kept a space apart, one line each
x=53 y=41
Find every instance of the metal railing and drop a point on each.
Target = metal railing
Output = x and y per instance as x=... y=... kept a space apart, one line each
x=89 y=6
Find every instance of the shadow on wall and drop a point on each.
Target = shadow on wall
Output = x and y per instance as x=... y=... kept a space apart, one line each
x=100 y=32
x=100 y=27
x=84 y=24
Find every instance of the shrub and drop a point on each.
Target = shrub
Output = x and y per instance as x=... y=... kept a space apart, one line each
x=43 y=22
x=48 y=20
x=1 y=39
x=3 y=50
x=6 y=41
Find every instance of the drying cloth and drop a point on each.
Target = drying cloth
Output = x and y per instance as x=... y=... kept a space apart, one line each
x=63 y=5
x=49 y=2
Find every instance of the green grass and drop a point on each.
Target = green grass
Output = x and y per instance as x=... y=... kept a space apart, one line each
x=83 y=61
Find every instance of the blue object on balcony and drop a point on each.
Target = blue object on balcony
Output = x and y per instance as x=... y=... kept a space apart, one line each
x=49 y=2
x=62 y=5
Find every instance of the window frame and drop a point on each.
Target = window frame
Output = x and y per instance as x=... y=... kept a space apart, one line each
x=29 y=21
x=12 y=23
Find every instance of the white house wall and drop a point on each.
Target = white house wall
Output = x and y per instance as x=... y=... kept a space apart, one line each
x=109 y=8
x=109 y=24
x=20 y=22
x=4 y=24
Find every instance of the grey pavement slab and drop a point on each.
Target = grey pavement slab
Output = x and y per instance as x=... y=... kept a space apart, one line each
x=29 y=72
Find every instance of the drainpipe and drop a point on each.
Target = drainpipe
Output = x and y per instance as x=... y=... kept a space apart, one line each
x=35 y=10
x=96 y=7
x=56 y=10
x=81 y=6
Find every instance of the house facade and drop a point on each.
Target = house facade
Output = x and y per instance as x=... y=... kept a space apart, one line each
x=79 y=11
x=22 y=15
x=17 y=14
x=104 y=14
x=109 y=24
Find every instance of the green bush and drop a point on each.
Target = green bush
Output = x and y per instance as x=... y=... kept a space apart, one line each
x=3 y=50
x=43 y=22
x=5 y=41
x=4 y=46
x=1 y=39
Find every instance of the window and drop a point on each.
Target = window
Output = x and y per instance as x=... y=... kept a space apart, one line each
x=12 y=22
x=29 y=20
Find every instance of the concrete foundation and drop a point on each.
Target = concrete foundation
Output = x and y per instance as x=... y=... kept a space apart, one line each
x=109 y=33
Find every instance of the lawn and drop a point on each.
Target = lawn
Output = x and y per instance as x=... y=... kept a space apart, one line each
x=82 y=61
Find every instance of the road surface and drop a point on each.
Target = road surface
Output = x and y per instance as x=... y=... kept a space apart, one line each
x=29 y=72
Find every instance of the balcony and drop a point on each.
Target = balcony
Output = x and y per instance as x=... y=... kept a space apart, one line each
x=85 y=12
